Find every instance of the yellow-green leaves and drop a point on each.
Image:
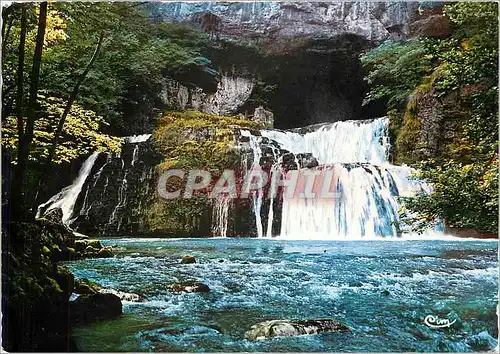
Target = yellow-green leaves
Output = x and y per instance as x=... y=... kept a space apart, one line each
x=81 y=133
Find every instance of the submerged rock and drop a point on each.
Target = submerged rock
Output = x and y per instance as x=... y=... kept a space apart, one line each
x=188 y=260
x=286 y=328
x=189 y=287
x=95 y=307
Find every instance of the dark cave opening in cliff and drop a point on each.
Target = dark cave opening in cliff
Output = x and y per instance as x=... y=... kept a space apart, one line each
x=321 y=82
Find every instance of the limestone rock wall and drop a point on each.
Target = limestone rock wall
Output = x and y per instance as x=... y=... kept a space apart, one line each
x=266 y=22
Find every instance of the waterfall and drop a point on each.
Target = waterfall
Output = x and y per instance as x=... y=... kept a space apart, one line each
x=348 y=141
x=367 y=205
x=67 y=197
x=367 y=186
x=134 y=139
x=257 y=195
x=220 y=215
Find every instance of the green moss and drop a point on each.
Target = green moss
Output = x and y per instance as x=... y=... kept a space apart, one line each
x=54 y=285
x=409 y=134
x=190 y=140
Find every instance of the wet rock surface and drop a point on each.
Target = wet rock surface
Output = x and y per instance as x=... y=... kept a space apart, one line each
x=188 y=260
x=95 y=307
x=286 y=328
x=189 y=287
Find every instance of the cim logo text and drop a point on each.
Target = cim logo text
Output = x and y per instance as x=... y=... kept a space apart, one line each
x=436 y=322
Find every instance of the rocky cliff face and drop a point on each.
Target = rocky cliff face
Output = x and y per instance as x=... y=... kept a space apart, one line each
x=232 y=92
x=298 y=60
x=270 y=23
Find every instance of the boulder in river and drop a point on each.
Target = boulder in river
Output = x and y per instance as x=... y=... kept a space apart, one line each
x=286 y=328
x=188 y=260
x=95 y=307
x=105 y=252
x=124 y=296
x=189 y=287
x=88 y=248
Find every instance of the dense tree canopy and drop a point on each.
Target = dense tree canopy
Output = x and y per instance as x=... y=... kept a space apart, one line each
x=100 y=71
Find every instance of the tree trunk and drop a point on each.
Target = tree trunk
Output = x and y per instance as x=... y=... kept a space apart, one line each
x=62 y=120
x=17 y=197
x=20 y=78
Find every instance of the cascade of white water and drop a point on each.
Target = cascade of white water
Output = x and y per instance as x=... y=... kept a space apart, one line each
x=135 y=155
x=257 y=195
x=122 y=199
x=220 y=215
x=133 y=139
x=367 y=186
x=67 y=197
x=366 y=205
x=348 y=141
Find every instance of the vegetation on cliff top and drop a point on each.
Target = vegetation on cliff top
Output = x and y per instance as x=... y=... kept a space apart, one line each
x=441 y=95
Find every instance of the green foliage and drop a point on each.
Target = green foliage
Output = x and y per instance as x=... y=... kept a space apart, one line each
x=80 y=135
x=136 y=56
x=394 y=69
x=465 y=191
x=465 y=196
x=458 y=76
x=136 y=53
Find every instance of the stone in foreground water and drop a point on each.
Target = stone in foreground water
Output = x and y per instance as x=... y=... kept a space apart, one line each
x=286 y=328
x=188 y=260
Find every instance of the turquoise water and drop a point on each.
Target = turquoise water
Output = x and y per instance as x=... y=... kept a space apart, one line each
x=382 y=290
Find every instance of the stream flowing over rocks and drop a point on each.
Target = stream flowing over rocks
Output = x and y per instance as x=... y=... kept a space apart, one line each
x=311 y=295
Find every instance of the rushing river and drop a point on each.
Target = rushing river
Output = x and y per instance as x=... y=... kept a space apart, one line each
x=382 y=289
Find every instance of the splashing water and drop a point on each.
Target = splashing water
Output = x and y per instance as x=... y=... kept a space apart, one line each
x=367 y=185
x=133 y=139
x=67 y=197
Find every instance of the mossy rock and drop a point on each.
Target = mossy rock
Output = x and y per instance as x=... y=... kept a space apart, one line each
x=65 y=279
x=84 y=286
x=105 y=252
x=188 y=260
x=94 y=243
